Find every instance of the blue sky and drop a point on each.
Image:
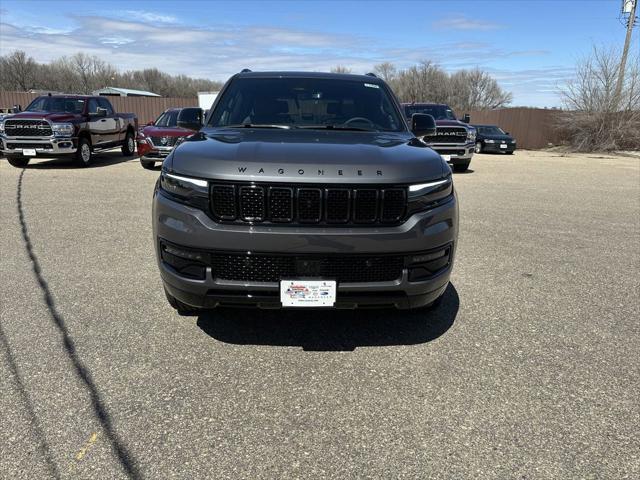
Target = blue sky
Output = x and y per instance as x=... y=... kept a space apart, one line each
x=530 y=46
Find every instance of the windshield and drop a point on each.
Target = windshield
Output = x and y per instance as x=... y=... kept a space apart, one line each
x=438 y=112
x=307 y=103
x=491 y=131
x=168 y=119
x=57 y=105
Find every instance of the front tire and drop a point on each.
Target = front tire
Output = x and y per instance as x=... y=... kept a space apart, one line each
x=478 y=148
x=83 y=154
x=18 y=161
x=461 y=167
x=129 y=145
x=182 y=308
x=147 y=164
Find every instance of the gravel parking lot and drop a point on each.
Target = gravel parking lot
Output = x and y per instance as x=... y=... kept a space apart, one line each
x=529 y=370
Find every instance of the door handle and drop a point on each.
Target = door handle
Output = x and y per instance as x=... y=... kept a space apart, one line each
x=103 y=120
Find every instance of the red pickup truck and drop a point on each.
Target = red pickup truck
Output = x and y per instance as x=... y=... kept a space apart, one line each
x=71 y=125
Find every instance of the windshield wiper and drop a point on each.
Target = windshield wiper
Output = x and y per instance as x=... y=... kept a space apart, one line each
x=338 y=127
x=256 y=125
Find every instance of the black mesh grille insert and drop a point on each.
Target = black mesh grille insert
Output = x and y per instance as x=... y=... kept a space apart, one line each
x=27 y=128
x=366 y=206
x=164 y=141
x=273 y=268
x=252 y=203
x=394 y=203
x=338 y=205
x=309 y=205
x=223 y=201
x=280 y=204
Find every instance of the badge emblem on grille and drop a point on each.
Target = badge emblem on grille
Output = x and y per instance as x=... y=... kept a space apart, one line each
x=164 y=140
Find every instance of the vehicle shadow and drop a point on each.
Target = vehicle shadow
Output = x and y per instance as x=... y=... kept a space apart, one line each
x=334 y=330
x=466 y=172
x=102 y=159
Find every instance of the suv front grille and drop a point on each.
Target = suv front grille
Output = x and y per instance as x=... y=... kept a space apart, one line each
x=27 y=128
x=273 y=268
x=164 y=141
x=448 y=135
x=302 y=204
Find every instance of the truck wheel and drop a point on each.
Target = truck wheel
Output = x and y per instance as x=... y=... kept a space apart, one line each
x=461 y=167
x=129 y=145
x=182 y=308
x=478 y=147
x=83 y=154
x=147 y=164
x=18 y=161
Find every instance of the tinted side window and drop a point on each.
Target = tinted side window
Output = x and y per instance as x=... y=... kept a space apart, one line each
x=93 y=106
x=104 y=103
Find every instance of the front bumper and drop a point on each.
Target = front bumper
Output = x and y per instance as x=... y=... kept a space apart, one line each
x=153 y=154
x=181 y=225
x=495 y=148
x=458 y=153
x=42 y=145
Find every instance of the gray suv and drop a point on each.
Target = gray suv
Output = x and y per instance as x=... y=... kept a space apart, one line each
x=305 y=190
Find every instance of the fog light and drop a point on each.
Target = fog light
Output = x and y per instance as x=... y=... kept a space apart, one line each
x=423 y=266
x=188 y=263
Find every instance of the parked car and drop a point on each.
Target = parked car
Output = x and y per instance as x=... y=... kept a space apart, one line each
x=491 y=138
x=454 y=139
x=66 y=125
x=305 y=190
x=157 y=139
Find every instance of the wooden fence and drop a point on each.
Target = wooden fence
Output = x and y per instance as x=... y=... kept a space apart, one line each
x=532 y=127
x=145 y=108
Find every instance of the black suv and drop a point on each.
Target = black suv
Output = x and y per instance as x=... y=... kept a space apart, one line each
x=305 y=190
x=491 y=138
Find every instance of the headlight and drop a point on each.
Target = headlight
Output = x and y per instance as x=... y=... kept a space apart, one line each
x=471 y=135
x=489 y=141
x=424 y=196
x=190 y=191
x=62 y=129
x=513 y=141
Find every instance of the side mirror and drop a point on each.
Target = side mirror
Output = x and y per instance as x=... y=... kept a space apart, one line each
x=507 y=133
x=423 y=125
x=16 y=109
x=466 y=118
x=189 y=125
x=151 y=123
x=101 y=112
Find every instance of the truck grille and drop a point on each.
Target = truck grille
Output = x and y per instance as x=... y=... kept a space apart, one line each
x=14 y=145
x=164 y=141
x=27 y=128
x=273 y=268
x=448 y=135
x=297 y=204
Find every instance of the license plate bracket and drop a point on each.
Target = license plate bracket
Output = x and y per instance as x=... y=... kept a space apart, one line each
x=308 y=293
x=29 y=152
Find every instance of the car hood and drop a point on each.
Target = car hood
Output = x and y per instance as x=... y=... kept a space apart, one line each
x=52 y=117
x=450 y=123
x=306 y=156
x=497 y=137
x=153 y=131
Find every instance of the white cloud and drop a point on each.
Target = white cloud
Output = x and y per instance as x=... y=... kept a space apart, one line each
x=461 y=22
x=217 y=53
x=150 y=17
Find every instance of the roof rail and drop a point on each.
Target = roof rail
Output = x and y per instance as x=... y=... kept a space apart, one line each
x=371 y=74
x=245 y=70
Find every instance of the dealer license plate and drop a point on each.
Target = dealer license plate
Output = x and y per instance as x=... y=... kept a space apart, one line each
x=446 y=158
x=308 y=293
x=29 y=152
x=503 y=145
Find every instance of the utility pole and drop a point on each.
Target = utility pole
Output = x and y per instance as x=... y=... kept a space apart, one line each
x=631 y=21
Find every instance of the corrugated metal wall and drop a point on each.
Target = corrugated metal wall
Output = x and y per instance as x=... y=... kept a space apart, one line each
x=146 y=108
x=533 y=128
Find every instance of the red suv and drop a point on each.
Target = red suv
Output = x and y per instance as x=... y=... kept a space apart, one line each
x=157 y=139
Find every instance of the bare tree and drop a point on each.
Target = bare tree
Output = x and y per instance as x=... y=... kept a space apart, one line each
x=18 y=71
x=476 y=90
x=386 y=71
x=340 y=69
x=595 y=120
